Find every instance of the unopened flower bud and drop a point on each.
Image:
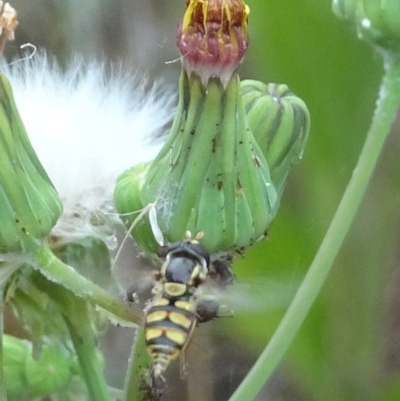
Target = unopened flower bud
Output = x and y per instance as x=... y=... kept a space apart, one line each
x=377 y=21
x=29 y=203
x=280 y=123
x=212 y=174
x=128 y=202
x=213 y=38
x=26 y=377
x=54 y=362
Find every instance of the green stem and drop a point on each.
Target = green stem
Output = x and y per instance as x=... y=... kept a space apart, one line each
x=135 y=376
x=385 y=113
x=57 y=271
x=77 y=317
x=85 y=347
x=3 y=395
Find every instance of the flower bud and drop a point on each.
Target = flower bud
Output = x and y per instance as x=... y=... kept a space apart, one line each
x=29 y=203
x=212 y=38
x=25 y=376
x=54 y=362
x=377 y=21
x=128 y=202
x=280 y=123
x=345 y=8
x=211 y=175
x=14 y=356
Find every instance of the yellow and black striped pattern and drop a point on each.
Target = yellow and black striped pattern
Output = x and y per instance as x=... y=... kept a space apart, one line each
x=171 y=316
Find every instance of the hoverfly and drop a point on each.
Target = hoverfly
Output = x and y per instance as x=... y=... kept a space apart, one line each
x=175 y=310
x=189 y=289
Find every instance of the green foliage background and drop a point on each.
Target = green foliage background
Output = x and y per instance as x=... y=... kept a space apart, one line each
x=348 y=348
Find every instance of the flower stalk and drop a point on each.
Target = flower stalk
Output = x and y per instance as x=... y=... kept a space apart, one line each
x=387 y=106
x=139 y=362
x=78 y=318
x=57 y=271
x=3 y=395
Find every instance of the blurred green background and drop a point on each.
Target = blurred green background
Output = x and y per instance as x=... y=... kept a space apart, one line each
x=349 y=346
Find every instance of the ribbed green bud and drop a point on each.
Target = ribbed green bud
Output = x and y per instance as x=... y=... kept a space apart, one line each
x=280 y=123
x=27 y=377
x=29 y=204
x=377 y=21
x=54 y=362
x=14 y=356
x=211 y=175
x=128 y=202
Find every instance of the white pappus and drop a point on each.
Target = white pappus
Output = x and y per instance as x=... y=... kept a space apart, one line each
x=88 y=123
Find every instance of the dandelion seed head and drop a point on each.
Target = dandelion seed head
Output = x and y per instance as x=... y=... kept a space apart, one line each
x=88 y=124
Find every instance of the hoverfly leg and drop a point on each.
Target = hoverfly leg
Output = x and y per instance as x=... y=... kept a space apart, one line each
x=183 y=371
x=149 y=209
x=207 y=309
x=222 y=270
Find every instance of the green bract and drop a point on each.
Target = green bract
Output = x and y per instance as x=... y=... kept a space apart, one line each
x=29 y=204
x=280 y=123
x=377 y=21
x=128 y=201
x=213 y=175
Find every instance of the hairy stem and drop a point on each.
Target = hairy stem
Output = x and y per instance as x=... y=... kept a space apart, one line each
x=84 y=343
x=385 y=113
x=57 y=271
x=78 y=319
x=139 y=361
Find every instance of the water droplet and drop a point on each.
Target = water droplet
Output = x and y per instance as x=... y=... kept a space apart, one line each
x=366 y=23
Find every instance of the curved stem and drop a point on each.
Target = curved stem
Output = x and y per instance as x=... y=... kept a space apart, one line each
x=57 y=271
x=385 y=113
x=3 y=395
x=86 y=350
x=78 y=319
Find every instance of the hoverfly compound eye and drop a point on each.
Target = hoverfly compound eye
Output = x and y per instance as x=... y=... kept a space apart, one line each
x=201 y=254
x=191 y=250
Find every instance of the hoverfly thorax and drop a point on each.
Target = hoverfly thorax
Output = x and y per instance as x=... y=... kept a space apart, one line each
x=187 y=262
